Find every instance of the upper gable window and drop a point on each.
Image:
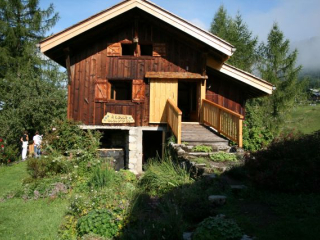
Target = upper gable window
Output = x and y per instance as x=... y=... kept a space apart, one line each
x=127 y=49
x=146 y=50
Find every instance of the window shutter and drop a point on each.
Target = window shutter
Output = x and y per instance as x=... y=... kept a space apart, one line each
x=138 y=91
x=114 y=49
x=101 y=91
x=159 y=50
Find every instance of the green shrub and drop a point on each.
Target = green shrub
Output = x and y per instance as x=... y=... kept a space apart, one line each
x=223 y=157
x=8 y=154
x=102 y=177
x=291 y=164
x=68 y=138
x=47 y=165
x=216 y=228
x=202 y=148
x=102 y=222
x=164 y=175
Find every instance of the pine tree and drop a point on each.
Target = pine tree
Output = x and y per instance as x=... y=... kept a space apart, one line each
x=31 y=87
x=278 y=66
x=237 y=33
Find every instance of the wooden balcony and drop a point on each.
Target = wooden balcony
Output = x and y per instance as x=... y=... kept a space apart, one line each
x=223 y=120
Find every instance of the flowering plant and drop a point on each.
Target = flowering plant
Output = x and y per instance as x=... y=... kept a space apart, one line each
x=7 y=153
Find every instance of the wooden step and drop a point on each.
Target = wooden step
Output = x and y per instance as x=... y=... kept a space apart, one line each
x=198 y=134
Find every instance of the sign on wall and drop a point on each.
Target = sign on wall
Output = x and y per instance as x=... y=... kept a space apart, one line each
x=117 y=118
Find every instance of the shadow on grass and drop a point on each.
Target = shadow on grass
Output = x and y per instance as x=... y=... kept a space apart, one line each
x=177 y=211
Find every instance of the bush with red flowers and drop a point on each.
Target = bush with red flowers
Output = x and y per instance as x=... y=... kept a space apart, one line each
x=8 y=153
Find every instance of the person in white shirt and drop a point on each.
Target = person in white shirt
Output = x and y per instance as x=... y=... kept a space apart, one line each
x=24 y=140
x=37 y=139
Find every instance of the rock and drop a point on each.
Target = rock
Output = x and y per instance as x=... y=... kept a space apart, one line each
x=187 y=236
x=200 y=165
x=238 y=187
x=181 y=152
x=218 y=199
x=246 y=237
x=211 y=176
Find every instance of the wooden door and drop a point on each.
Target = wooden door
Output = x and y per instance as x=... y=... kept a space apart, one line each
x=160 y=91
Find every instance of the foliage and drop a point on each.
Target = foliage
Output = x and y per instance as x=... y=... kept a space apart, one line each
x=235 y=31
x=32 y=89
x=290 y=164
x=278 y=66
x=217 y=228
x=8 y=153
x=223 y=157
x=202 y=148
x=102 y=177
x=163 y=175
x=103 y=222
x=43 y=188
x=47 y=165
x=66 y=137
x=256 y=134
x=171 y=139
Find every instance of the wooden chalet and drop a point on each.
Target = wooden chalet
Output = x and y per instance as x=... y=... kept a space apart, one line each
x=135 y=68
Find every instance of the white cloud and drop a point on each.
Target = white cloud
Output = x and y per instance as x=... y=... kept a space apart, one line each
x=297 y=19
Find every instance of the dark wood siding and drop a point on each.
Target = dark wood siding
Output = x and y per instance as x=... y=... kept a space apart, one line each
x=93 y=62
x=225 y=92
x=93 y=67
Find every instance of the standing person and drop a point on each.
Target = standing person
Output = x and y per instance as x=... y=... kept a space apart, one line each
x=24 y=139
x=37 y=143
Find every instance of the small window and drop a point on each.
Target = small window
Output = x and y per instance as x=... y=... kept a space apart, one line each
x=146 y=49
x=127 y=49
x=120 y=90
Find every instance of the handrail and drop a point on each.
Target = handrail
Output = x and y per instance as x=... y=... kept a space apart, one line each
x=223 y=108
x=224 y=120
x=174 y=117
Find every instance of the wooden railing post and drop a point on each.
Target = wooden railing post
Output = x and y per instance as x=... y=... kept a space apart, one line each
x=179 y=129
x=240 y=132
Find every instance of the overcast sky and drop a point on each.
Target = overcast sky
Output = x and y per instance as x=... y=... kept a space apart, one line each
x=298 y=19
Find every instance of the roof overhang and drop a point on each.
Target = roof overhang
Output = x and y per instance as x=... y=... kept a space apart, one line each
x=147 y=6
x=260 y=87
x=247 y=78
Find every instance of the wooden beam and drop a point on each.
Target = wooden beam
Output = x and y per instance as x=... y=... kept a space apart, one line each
x=67 y=57
x=175 y=75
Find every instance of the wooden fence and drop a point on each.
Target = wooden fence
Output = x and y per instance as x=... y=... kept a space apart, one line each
x=223 y=120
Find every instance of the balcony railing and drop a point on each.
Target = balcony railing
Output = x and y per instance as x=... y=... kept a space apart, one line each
x=174 y=116
x=225 y=121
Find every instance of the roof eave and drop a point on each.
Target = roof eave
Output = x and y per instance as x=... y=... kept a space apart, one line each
x=149 y=7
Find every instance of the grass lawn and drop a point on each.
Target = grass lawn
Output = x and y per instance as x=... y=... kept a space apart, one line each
x=32 y=219
x=305 y=118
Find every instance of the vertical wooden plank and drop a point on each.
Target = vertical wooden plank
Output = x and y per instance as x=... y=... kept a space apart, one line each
x=240 y=133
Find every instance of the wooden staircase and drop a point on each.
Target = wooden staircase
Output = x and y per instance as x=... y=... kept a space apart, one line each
x=197 y=134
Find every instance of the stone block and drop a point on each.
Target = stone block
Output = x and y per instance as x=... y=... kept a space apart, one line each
x=218 y=199
x=187 y=235
x=132 y=147
x=132 y=139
